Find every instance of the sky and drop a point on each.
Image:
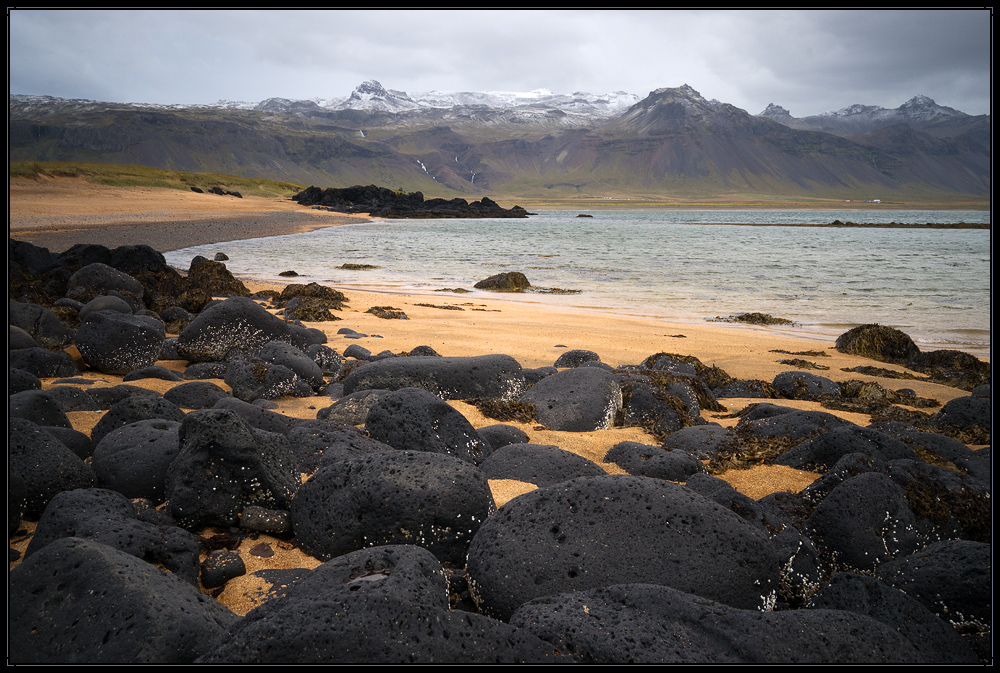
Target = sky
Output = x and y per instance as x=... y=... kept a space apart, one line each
x=807 y=61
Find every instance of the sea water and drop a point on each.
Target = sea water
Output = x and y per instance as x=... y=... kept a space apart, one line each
x=684 y=266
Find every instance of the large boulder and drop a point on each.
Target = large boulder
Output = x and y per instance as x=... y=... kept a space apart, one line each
x=225 y=465
x=109 y=518
x=862 y=523
x=650 y=624
x=39 y=323
x=416 y=420
x=594 y=532
x=510 y=281
x=45 y=464
x=103 y=278
x=134 y=459
x=878 y=342
x=576 y=400
x=452 y=378
x=538 y=464
x=236 y=326
x=118 y=343
x=392 y=497
x=80 y=601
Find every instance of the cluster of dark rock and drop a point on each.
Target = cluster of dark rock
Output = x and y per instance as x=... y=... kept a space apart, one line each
x=217 y=190
x=384 y=202
x=885 y=558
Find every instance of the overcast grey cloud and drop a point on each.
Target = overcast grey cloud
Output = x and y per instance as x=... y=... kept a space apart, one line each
x=807 y=61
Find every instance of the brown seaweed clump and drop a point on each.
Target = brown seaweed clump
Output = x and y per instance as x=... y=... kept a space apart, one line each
x=754 y=319
x=520 y=412
x=387 y=313
x=742 y=450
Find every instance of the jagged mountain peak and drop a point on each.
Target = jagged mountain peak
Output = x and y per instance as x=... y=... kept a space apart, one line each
x=371 y=87
x=773 y=111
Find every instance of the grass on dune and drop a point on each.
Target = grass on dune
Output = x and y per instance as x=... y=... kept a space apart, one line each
x=126 y=175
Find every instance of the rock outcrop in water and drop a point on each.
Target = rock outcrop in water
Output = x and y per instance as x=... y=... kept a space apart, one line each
x=384 y=202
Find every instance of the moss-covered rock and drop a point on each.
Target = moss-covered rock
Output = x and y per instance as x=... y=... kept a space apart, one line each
x=885 y=344
x=512 y=281
x=215 y=279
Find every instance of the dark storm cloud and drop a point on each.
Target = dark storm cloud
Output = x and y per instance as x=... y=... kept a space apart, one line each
x=808 y=61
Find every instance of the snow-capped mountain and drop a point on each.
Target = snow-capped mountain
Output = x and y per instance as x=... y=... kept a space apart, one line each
x=919 y=111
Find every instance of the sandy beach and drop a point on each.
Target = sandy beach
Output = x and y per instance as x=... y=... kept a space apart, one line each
x=58 y=213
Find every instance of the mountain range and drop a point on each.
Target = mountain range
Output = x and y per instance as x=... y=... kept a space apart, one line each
x=671 y=143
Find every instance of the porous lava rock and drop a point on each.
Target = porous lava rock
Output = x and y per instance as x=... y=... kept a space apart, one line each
x=803 y=385
x=352 y=409
x=39 y=407
x=287 y=355
x=643 y=460
x=45 y=464
x=952 y=578
x=500 y=435
x=215 y=279
x=655 y=624
x=103 y=278
x=452 y=378
x=392 y=497
x=252 y=379
x=510 y=281
x=133 y=409
x=224 y=465
x=538 y=464
x=593 y=532
x=575 y=358
x=371 y=628
x=862 y=523
x=196 y=395
x=109 y=518
x=40 y=323
x=236 y=326
x=118 y=343
x=133 y=460
x=820 y=453
x=416 y=420
x=701 y=441
x=935 y=640
x=583 y=399
x=317 y=441
x=80 y=601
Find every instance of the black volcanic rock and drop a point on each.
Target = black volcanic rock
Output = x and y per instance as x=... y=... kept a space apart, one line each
x=651 y=624
x=416 y=420
x=643 y=460
x=594 y=532
x=106 y=607
x=383 y=202
x=392 y=497
x=453 y=378
x=538 y=464
x=116 y=343
x=576 y=400
x=236 y=326
x=134 y=459
x=45 y=464
x=109 y=518
x=224 y=465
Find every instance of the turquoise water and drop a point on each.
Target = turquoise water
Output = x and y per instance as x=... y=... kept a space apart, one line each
x=934 y=284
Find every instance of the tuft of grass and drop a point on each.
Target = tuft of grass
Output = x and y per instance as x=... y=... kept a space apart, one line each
x=131 y=175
